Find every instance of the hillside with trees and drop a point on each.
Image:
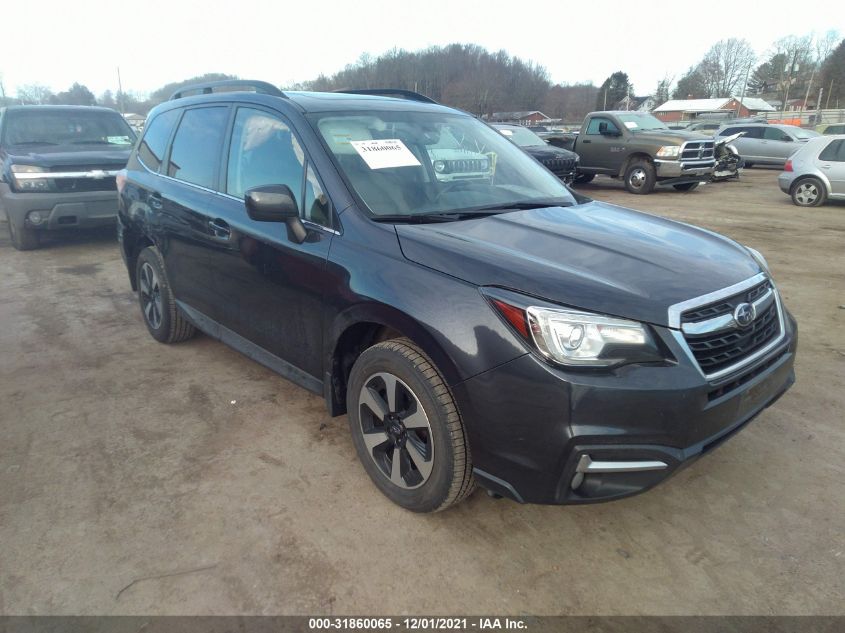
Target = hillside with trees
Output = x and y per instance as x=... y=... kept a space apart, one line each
x=483 y=82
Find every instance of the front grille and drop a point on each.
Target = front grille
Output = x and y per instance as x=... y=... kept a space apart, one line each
x=715 y=351
x=467 y=165
x=560 y=166
x=697 y=150
x=71 y=185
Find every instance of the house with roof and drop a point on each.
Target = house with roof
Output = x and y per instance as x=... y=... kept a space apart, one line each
x=525 y=117
x=639 y=104
x=690 y=109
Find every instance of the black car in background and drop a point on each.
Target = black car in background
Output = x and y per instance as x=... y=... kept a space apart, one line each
x=561 y=162
x=497 y=331
x=58 y=167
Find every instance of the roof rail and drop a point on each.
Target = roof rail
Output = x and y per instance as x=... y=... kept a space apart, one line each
x=261 y=87
x=409 y=95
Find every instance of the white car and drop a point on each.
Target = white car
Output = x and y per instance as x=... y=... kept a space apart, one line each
x=816 y=172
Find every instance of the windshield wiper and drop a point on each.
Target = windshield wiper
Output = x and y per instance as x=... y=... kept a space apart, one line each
x=426 y=218
x=93 y=142
x=35 y=143
x=521 y=206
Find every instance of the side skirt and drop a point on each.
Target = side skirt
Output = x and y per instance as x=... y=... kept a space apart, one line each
x=249 y=349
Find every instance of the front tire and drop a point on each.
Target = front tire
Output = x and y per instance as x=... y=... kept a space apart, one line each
x=583 y=179
x=22 y=237
x=640 y=177
x=808 y=192
x=407 y=429
x=164 y=321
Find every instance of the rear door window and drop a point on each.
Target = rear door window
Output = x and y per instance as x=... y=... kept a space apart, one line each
x=776 y=134
x=835 y=151
x=156 y=135
x=196 y=146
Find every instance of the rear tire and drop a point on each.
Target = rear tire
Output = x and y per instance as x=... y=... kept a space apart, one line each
x=22 y=237
x=407 y=429
x=808 y=192
x=640 y=177
x=583 y=179
x=163 y=319
x=687 y=186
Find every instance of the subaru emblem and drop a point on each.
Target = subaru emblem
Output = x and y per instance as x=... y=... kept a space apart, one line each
x=744 y=314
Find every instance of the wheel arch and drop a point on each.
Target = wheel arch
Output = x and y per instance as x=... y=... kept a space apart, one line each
x=133 y=244
x=364 y=325
x=631 y=158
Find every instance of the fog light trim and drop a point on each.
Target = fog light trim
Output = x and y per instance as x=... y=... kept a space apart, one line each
x=587 y=465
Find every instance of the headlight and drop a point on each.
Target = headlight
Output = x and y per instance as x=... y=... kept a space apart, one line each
x=669 y=151
x=581 y=339
x=758 y=257
x=24 y=181
x=485 y=165
x=440 y=166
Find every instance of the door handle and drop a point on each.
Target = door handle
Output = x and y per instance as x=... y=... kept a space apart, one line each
x=154 y=200
x=585 y=141
x=220 y=229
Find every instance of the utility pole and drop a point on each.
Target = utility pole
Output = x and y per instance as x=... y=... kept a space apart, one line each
x=809 y=85
x=119 y=92
x=819 y=106
x=3 y=91
x=744 y=87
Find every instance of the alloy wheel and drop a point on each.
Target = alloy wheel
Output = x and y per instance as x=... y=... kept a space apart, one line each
x=150 y=296
x=807 y=193
x=396 y=431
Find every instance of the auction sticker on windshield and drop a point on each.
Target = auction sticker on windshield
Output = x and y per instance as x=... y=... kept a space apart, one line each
x=384 y=153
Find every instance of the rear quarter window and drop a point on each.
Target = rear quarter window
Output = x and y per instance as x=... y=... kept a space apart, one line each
x=156 y=135
x=835 y=151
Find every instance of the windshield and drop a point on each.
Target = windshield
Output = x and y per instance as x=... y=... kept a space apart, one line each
x=637 y=121
x=522 y=136
x=392 y=161
x=67 y=127
x=801 y=133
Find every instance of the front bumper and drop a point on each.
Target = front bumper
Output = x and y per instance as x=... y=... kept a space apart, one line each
x=530 y=425
x=60 y=210
x=677 y=172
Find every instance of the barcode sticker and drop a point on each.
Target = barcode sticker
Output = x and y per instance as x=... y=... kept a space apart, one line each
x=384 y=153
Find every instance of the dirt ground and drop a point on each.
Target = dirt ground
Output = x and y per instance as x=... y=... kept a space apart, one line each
x=137 y=478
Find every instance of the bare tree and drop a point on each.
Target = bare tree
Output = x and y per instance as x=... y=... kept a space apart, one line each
x=725 y=66
x=34 y=94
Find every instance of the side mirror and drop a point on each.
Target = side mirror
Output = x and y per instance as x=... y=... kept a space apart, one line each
x=276 y=203
x=605 y=130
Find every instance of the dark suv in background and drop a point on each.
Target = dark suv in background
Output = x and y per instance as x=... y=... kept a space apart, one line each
x=500 y=330
x=58 y=167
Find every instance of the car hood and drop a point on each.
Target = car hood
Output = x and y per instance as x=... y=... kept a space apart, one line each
x=547 y=152
x=594 y=256
x=664 y=136
x=70 y=155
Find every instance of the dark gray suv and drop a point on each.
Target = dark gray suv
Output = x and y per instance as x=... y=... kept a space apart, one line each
x=58 y=166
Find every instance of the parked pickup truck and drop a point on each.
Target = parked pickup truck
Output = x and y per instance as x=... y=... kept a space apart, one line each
x=640 y=149
x=58 y=166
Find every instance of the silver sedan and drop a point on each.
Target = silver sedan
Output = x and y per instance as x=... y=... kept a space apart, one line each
x=816 y=172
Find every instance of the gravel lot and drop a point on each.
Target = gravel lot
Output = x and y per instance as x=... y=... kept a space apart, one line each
x=142 y=479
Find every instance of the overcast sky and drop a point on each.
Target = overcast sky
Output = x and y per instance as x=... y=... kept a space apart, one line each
x=57 y=42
